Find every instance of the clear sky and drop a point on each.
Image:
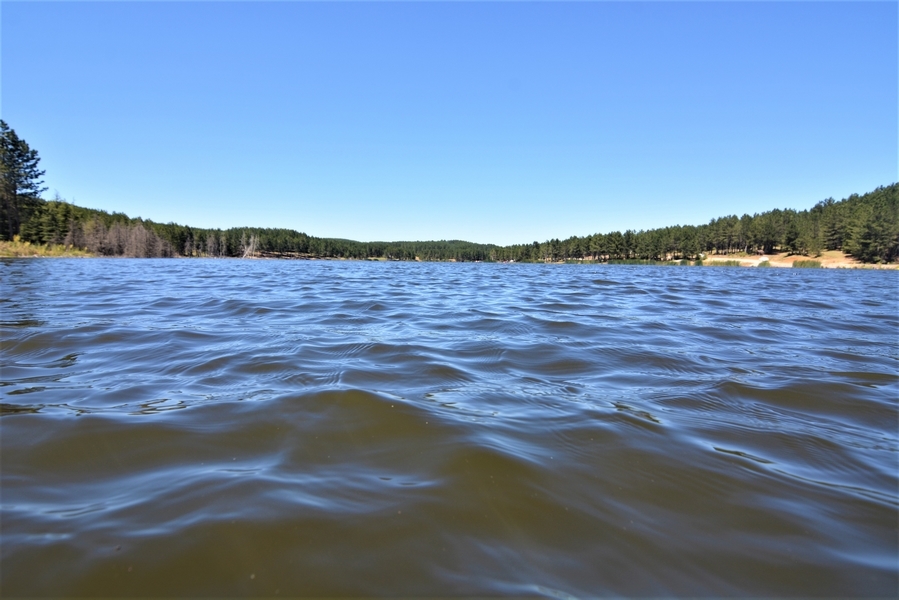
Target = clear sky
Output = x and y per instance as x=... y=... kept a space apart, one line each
x=502 y=122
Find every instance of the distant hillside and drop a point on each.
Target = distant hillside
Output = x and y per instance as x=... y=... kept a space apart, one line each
x=866 y=227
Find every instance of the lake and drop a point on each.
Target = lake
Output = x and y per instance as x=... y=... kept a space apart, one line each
x=324 y=428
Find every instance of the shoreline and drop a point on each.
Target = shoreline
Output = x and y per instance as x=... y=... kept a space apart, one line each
x=831 y=259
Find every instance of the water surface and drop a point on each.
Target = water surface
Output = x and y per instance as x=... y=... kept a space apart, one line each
x=277 y=428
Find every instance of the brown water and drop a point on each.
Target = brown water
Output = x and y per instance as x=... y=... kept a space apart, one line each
x=275 y=428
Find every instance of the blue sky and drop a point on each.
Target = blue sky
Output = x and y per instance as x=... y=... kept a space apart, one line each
x=502 y=122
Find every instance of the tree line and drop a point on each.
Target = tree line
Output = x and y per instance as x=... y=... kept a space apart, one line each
x=866 y=226
x=105 y=234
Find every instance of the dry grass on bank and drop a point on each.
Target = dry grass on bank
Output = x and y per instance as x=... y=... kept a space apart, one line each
x=831 y=259
x=20 y=249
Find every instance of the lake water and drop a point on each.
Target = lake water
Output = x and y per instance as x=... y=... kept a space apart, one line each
x=297 y=428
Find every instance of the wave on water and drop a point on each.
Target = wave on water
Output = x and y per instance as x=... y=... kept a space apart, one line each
x=326 y=428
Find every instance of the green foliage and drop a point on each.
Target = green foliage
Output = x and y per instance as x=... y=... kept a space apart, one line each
x=631 y=261
x=872 y=235
x=20 y=182
x=866 y=226
x=807 y=264
x=723 y=263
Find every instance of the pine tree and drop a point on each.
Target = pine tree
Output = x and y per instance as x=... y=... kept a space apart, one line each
x=20 y=188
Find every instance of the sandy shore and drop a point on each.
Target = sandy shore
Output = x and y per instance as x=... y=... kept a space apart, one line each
x=832 y=259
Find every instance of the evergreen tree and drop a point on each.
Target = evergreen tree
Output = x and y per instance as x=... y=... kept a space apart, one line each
x=20 y=189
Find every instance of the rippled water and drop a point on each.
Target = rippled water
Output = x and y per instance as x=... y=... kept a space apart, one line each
x=276 y=428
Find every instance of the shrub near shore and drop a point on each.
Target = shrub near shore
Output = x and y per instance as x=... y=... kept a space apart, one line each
x=17 y=249
x=807 y=264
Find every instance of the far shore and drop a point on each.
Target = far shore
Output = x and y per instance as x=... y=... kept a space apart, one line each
x=831 y=259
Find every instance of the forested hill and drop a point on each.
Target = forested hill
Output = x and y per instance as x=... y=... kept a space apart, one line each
x=866 y=227
x=116 y=234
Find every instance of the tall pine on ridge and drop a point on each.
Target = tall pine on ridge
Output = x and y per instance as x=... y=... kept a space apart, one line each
x=20 y=188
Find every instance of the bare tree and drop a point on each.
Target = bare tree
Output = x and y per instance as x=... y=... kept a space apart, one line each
x=249 y=248
x=212 y=245
x=75 y=237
